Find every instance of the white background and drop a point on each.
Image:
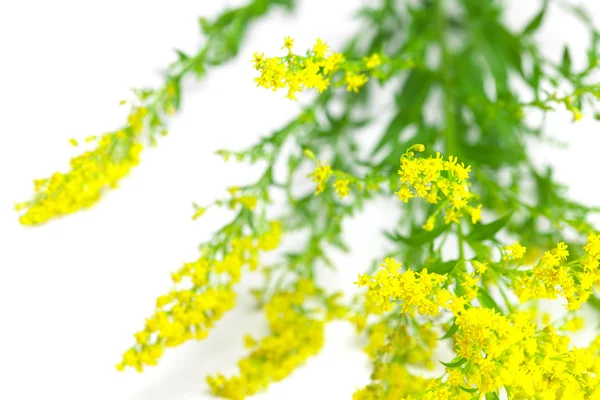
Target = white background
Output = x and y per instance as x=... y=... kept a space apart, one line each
x=74 y=291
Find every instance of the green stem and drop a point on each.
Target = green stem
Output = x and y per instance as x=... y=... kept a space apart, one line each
x=461 y=242
x=445 y=78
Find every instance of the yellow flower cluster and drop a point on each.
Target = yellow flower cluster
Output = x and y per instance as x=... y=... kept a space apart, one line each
x=438 y=181
x=297 y=73
x=91 y=174
x=342 y=183
x=185 y=314
x=509 y=352
x=294 y=337
x=553 y=276
x=420 y=292
x=313 y=71
x=573 y=324
x=373 y=61
x=320 y=176
x=342 y=187
x=392 y=381
x=414 y=344
x=515 y=251
x=246 y=201
x=355 y=81
x=493 y=351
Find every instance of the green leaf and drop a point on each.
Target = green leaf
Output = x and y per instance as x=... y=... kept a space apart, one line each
x=182 y=56
x=536 y=22
x=418 y=239
x=455 y=364
x=488 y=231
x=199 y=69
x=565 y=66
x=580 y=12
x=410 y=101
x=394 y=130
x=450 y=331
x=288 y=4
x=205 y=25
x=481 y=250
x=488 y=302
x=511 y=47
x=468 y=390
x=175 y=84
x=234 y=38
x=493 y=152
x=443 y=268
x=226 y=18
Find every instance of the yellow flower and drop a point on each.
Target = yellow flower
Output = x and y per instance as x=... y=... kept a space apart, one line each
x=248 y=202
x=320 y=48
x=332 y=62
x=372 y=61
x=475 y=214
x=320 y=175
x=452 y=215
x=418 y=147
x=480 y=267
x=593 y=245
x=249 y=342
x=429 y=224
x=258 y=60
x=514 y=251
x=561 y=251
x=405 y=194
x=199 y=212
x=288 y=43
x=574 y=324
x=355 y=81
x=342 y=188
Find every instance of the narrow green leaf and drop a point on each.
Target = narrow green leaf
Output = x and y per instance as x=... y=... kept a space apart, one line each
x=468 y=390
x=450 y=331
x=488 y=231
x=182 y=56
x=392 y=236
x=536 y=22
x=410 y=101
x=199 y=69
x=454 y=364
x=488 y=302
x=565 y=66
x=205 y=25
x=481 y=250
x=443 y=268
x=394 y=129
x=418 y=239
x=581 y=12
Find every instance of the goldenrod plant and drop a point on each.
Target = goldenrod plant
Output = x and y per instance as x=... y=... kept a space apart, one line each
x=461 y=172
